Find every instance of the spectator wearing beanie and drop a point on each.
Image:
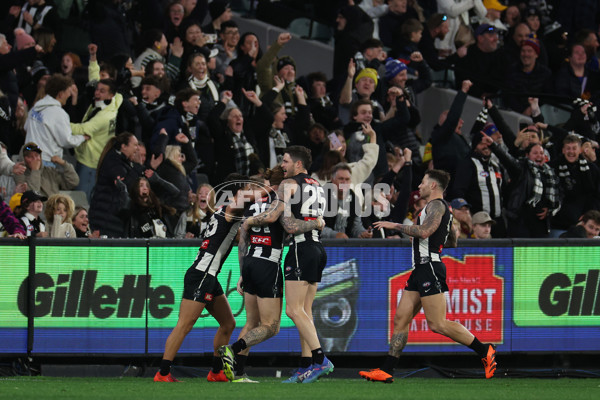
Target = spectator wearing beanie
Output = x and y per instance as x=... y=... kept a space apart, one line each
x=527 y=77
x=396 y=75
x=220 y=11
x=23 y=40
x=285 y=68
x=361 y=87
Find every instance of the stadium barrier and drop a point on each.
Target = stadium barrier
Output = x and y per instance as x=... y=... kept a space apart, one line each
x=120 y=297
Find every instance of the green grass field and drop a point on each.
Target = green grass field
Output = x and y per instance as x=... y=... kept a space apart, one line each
x=271 y=388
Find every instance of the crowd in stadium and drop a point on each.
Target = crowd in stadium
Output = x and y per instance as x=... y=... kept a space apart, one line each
x=140 y=108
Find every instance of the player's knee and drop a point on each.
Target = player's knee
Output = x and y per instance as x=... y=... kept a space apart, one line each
x=228 y=326
x=436 y=327
x=292 y=312
x=273 y=328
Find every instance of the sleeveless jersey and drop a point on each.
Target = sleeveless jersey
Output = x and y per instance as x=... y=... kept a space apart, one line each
x=266 y=242
x=216 y=243
x=430 y=249
x=307 y=204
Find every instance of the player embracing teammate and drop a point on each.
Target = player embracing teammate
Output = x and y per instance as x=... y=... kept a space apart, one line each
x=299 y=206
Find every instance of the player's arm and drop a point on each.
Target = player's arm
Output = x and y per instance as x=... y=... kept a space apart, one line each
x=286 y=189
x=452 y=239
x=435 y=212
x=296 y=226
x=243 y=245
x=242 y=252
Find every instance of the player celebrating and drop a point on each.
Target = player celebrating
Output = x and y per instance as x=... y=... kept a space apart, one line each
x=427 y=283
x=301 y=201
x=201 y=287
x=261 y=279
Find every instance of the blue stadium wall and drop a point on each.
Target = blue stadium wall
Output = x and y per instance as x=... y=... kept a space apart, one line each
x=121 y=297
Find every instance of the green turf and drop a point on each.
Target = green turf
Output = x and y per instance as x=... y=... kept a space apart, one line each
x=271 y=388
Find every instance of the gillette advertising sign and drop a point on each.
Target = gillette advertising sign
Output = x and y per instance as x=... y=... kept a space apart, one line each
x=107 y=297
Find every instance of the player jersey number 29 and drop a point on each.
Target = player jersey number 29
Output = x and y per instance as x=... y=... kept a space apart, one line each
x=313 y=204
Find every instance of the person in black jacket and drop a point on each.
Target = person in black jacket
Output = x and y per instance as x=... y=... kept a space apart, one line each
x=579 y=183
x=241 y=73
x=526 y=76
x=533 y=195
x=8 y=62
x=234 y=145
x=117 y=162
x=587 y=227
x=483 y=64
x=180 y=161
x=271 y=133
x=449 y=146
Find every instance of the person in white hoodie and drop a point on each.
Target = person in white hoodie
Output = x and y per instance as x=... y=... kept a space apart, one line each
x=48 y=124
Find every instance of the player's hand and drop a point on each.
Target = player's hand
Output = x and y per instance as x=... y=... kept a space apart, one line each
x=239 y=287
x=321 y=222
x=385 y=224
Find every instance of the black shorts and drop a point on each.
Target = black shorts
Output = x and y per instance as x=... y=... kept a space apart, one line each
x=428 y=279
x=200 y=286
x=262 y=278
x=305 y=262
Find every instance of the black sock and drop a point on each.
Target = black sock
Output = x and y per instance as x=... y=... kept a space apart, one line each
x=239 y=346
x=318 y=356
x=305 y=362
x=240 y=364
x=217 y=364
x=479 y=348
x=389 y=364
x=165 y=367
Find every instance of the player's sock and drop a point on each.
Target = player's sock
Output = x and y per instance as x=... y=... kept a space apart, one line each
x=217 y=364
x=305 y=362
x=479 y=348
x=240 y=364
x=239 y=346
x=165 y=367
x=318 y=356
x=389 y=364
